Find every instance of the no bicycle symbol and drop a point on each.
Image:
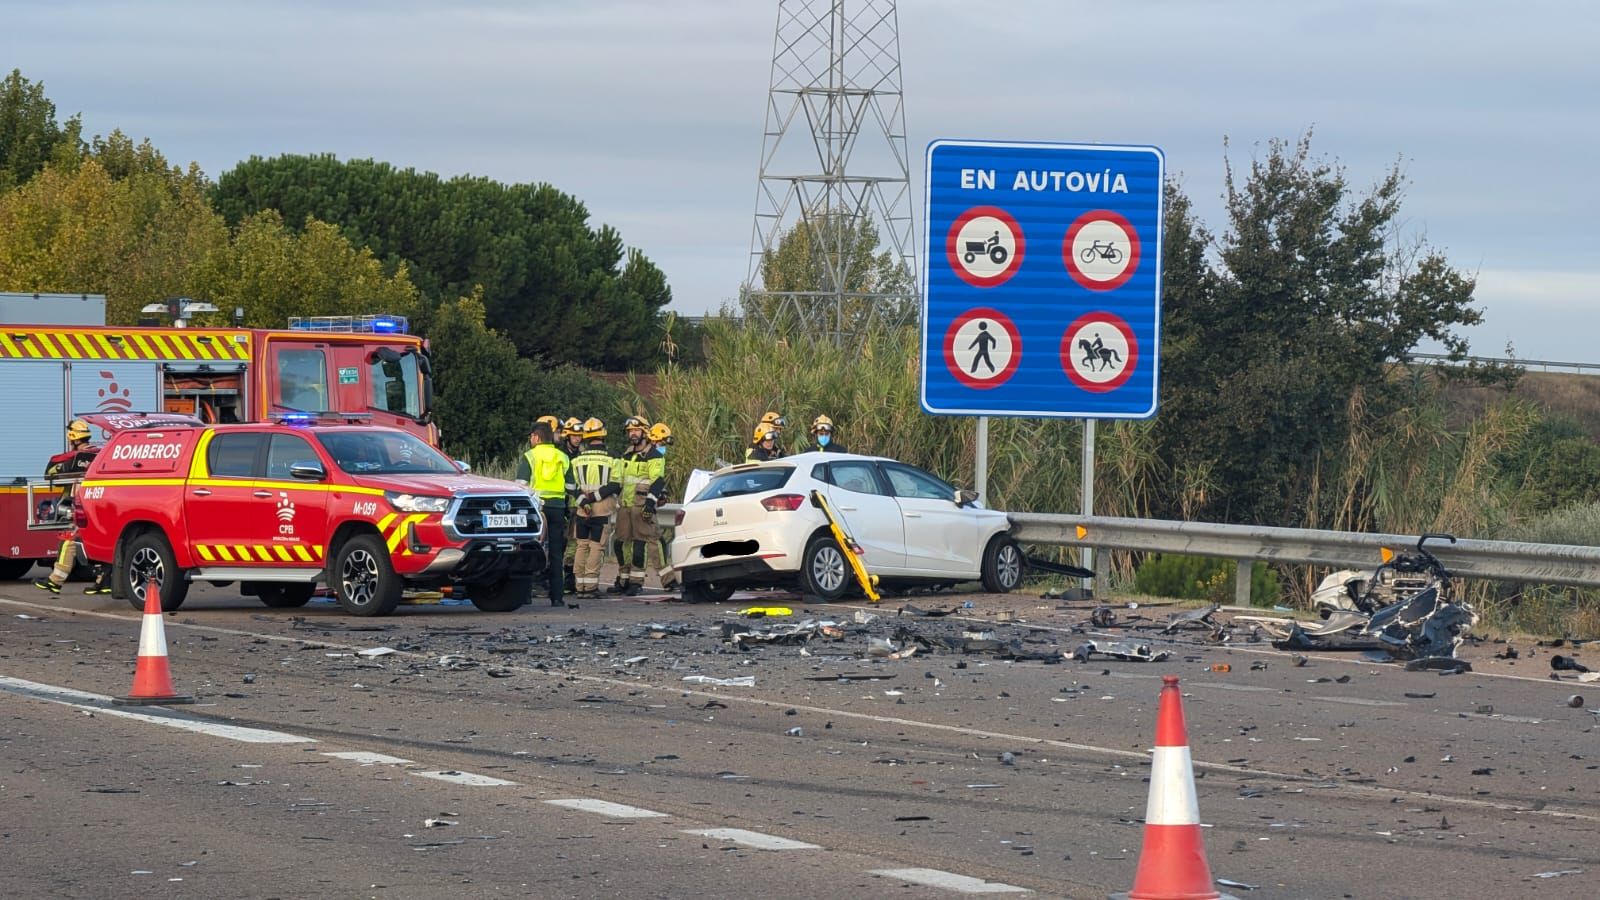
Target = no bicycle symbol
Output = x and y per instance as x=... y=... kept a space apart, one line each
x=1101 y=250
x=982 y=348
x=1098 y=352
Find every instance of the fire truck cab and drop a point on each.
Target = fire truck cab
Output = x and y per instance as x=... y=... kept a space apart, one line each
x=51 y=374
x=278 y=506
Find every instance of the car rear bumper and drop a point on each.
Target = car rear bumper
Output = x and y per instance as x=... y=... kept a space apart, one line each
x=740 y=572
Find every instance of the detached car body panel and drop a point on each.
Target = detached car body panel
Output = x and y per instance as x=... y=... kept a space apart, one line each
x=277 y=507
x=754 y=525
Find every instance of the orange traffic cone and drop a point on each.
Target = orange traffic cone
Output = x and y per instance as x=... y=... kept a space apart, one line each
x=1172 y=863
x=152 y=679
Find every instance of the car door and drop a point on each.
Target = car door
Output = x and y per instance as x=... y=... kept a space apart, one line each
x=869 y=514
x=940 y=537
x=298 y=522
x=219 y=498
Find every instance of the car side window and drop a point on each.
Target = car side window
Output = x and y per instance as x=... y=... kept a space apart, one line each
x=857 y=477
x=915 y=483
x=233 y=455
x=284 y=451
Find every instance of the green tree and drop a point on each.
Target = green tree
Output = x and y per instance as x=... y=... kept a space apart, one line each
x=30 y=136
x=558 y=288
x=825 y=254
x=1310 y=298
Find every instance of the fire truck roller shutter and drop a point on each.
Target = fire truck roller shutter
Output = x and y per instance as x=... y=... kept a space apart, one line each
x=104 y=386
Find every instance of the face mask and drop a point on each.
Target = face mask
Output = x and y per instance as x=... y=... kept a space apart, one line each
x=823 y=439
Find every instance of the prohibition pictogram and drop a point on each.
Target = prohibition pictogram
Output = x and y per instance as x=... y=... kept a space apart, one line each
x=985 y=246
x=1101 y=250
x=1099 y=352
x=982 y=348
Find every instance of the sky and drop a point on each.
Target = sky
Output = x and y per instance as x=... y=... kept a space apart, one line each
x=651 y=112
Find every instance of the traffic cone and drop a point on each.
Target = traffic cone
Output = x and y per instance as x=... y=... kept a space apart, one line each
x=152 y=679
x=1172 y=863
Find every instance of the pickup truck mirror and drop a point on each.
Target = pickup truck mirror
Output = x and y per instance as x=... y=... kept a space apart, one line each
x=308 y=470
x=463 y=465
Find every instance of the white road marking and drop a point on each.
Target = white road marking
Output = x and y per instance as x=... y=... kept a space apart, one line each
x=1357 y=701
x=465 y=778
x=610 y=810
x=370 y=759
x=101 y=705
x=751 y=839
x=950 y=881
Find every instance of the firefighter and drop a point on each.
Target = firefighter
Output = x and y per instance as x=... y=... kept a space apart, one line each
x=80 y=452
x=593 y=469
x=657 y=553
x=763 y=444
x=632 y=479
x=822 y=436
x=548 y=471
x=774 y=450
x=568 y=441
x=572 y=436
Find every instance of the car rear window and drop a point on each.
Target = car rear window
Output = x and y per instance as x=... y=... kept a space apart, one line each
x=746 y=481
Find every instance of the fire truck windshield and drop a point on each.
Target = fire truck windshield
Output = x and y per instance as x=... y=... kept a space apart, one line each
x=385 y=453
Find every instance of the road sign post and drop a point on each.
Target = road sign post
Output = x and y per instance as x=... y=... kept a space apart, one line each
x=1042 y=280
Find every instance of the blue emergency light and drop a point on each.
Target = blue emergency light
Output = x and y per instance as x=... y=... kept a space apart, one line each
x=377 y=324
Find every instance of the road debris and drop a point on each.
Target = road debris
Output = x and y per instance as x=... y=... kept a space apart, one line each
x=742 y=681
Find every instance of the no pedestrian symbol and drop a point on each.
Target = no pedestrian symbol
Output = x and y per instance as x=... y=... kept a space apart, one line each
x=982 y=348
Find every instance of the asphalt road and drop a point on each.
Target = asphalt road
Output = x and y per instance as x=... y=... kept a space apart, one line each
x=581 y=753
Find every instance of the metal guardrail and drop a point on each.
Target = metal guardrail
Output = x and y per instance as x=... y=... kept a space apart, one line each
x=1499 y=560
x=1543 y=365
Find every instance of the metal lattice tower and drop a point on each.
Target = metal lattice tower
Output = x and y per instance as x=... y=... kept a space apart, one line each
x=833 y=250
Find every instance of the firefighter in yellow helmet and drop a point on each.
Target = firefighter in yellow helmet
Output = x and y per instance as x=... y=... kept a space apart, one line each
x=571 y=437
x=594 y=470
x=763 y=444
x=658 y=556
x=70 y=466
x=822 y=436
x=632 y=475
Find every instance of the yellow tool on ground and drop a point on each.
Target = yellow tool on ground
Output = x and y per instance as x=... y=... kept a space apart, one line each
x=757 y=612
x=852 y=550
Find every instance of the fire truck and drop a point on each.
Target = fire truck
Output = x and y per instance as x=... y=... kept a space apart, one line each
x=366 y=366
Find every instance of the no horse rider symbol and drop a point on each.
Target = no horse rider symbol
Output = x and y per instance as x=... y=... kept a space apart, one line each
x=982 y=348
x=1099 y=352
x=984 y=246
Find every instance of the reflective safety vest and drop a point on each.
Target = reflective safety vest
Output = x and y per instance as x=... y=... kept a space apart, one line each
x=593 y=469
x=633 y=476
x=550 y=470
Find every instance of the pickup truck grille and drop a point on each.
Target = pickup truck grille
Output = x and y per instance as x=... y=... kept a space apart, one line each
x=467 y=517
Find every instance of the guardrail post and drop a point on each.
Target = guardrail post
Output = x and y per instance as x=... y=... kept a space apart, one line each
x=1241 y=581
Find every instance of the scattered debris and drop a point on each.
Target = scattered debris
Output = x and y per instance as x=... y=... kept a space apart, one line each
x=371 y=652
x=1128 y=651
x=742 y=681
x=1444 y=664
x=1567 y=664
x=1575 y=701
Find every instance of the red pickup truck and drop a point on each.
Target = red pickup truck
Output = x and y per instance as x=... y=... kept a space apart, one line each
x=279 y=506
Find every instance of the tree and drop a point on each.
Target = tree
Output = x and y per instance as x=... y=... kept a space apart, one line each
x=1312 y=296
x=556 y=287
x=30 y=136
x=831 y=255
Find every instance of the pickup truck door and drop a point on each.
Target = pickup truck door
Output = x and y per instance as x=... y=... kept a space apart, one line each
x=295 y=518
x=219 y=498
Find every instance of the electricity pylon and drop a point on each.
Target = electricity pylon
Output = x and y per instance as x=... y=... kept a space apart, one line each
x=833 y=250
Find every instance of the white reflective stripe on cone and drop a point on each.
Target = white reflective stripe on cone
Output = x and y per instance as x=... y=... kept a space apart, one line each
x=1172 y=797
x=152 y=636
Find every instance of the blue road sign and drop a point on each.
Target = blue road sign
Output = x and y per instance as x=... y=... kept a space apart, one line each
x=1042 y=280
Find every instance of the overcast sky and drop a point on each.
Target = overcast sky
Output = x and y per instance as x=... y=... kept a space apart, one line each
x=651 y=112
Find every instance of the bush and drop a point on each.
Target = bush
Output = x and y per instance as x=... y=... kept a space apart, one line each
x=1202 y=578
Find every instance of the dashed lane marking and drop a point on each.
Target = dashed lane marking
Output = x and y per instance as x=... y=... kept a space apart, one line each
x=751 y=839
x=609 y=810
x=101 y=705
x=453 y=776
x=465 y=778
x=950 y=881
x=370 y=759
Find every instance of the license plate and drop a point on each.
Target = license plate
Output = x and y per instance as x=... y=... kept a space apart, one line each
x=510 y=520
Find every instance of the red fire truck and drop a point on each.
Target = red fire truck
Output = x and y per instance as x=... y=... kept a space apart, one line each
x=51 y=374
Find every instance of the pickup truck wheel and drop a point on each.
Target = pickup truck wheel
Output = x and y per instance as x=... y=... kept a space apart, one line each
x=1002 y=565
x=149 y=558
x=12 y=569
x=706 y=592
x=504 y=595
x=364 y=579
x=824 y=571
x=286 y=596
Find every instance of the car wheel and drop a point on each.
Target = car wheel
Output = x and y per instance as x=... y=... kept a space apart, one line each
x=286 y=595
x=149 y=559
x=824 y=570
x=1002 y=565
x=504 y=595
x=706 y=592
x=364 y=579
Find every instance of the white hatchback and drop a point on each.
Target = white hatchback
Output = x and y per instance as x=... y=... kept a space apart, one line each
x=754 y=525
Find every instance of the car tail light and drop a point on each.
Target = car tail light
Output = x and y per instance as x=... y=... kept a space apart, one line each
x=784 y=502
x=80 y=516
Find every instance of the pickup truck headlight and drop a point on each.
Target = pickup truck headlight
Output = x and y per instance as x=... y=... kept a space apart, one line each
x=413 y=503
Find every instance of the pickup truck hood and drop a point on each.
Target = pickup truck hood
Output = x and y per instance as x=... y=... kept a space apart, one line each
x=440 y=485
